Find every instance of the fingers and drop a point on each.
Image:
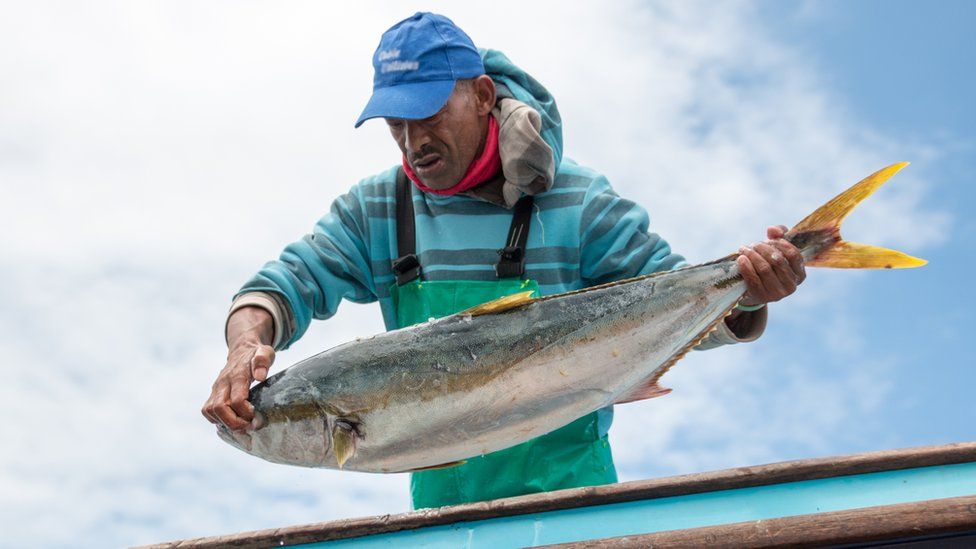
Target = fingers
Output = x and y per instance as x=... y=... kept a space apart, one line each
x=261 y=362
x=239 y=389
x=773 y=269
x=766 y=263
x=228 y=403
x=793 y=257
x=207 y=409
x=228 y=417
x=752 y=279
x=218 y=410
x=775 y=255
x=775 y=232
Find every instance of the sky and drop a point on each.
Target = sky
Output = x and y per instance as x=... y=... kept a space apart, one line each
x=154 y=154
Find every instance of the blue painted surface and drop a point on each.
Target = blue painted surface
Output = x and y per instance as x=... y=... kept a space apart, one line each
x=690 y=511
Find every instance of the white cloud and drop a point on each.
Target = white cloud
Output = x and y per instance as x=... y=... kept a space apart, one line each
x=153 y=155
x=742 y=407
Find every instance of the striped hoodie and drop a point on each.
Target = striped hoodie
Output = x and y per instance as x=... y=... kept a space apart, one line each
x=582 y=234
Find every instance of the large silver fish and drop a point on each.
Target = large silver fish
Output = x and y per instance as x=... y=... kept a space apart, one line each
x=513 y=369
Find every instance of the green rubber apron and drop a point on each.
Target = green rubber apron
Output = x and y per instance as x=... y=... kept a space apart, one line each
x=574 y=455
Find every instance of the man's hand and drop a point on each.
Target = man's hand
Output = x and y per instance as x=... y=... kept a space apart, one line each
x=772 y=269
x=249 y=333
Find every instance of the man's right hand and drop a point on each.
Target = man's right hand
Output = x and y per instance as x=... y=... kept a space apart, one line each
x=250 y=331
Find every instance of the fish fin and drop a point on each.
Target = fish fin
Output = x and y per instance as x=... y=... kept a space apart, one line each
x=818 y=234
x=643 y=391
x=343 y=444
x=663 y=368
x=441 y=466
x=501 y=304
x=851 y=255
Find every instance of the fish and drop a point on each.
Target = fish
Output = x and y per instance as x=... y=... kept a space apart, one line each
x=435 y=394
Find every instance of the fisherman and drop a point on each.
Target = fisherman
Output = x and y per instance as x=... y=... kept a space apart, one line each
x=483 y=205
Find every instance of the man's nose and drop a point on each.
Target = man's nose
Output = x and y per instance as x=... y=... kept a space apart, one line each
x=417 y=136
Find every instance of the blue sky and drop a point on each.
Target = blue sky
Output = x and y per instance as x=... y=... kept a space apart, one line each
x=905 y=70
x=152 y=156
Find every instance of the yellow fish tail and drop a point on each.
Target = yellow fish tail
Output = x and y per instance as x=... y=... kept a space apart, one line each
x=818 y=235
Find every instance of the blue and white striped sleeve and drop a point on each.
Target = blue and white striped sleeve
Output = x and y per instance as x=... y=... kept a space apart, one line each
x=315 y=273
x=614 y=241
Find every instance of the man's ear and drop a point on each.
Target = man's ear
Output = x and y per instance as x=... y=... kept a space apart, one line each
x=484 y=90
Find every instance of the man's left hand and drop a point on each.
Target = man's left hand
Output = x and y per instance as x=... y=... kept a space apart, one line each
x=772 y=269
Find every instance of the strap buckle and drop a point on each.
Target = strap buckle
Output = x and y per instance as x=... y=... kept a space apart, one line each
x=512 y=262
x=406 y=268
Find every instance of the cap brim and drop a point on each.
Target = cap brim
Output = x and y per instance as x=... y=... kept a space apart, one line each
x=412 y=101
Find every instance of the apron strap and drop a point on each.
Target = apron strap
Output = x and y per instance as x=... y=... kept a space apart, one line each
x=406 y=267
x=512 y=260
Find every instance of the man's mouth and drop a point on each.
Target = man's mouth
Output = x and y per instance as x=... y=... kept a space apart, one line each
x=428 y=163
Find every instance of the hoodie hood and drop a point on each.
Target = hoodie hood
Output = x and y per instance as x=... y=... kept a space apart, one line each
x=513 y=82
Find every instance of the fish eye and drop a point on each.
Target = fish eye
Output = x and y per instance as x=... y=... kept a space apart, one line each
x=348 y=424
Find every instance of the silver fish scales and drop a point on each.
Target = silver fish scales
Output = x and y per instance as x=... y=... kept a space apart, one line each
x=516 y=368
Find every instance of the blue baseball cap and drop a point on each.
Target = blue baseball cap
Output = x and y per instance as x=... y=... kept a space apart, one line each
x=416 y=66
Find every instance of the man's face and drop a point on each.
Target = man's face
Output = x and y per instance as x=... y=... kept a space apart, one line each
x=439 y=149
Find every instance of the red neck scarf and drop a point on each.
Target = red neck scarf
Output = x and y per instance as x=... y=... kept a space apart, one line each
x=482 y=169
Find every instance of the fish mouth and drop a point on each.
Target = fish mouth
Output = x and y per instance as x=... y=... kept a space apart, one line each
x=238 y=439
x=305 y=443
